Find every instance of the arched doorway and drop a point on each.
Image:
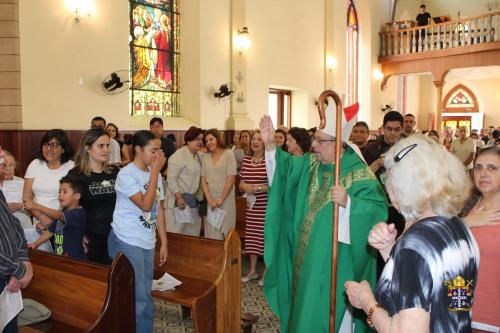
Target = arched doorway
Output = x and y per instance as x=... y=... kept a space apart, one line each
x=460 y=108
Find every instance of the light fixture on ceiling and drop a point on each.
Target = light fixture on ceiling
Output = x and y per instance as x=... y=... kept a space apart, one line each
x=80 y=8
x=331 y=63
x=242 y=40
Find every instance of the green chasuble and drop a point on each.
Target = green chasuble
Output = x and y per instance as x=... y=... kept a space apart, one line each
x=298 y=240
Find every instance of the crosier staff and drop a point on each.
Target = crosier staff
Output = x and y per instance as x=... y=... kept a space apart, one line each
x=335 y=230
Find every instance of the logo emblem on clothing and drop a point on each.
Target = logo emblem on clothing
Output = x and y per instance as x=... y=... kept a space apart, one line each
x=459 y=294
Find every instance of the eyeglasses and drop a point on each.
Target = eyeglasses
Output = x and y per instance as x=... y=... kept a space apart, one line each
x=51 y=145
x=8 y=166
x=392 y=129
x=314 y=138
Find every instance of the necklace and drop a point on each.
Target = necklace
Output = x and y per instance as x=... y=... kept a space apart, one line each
x=258 y=161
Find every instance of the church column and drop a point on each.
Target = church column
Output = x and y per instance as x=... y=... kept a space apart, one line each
x=10 y=66
x=439 y=97
x=238 y=116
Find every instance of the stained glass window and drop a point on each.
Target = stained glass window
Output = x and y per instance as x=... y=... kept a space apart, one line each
x=460 y=99
x=154 y=58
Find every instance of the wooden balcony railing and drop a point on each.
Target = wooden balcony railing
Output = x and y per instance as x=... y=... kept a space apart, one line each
x=452 y=34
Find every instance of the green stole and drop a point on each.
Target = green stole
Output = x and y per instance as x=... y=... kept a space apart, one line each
x=298 y=243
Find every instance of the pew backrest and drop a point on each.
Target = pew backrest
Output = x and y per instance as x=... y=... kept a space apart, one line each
x=82 y=294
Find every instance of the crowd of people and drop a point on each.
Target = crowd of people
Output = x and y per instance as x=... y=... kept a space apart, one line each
x=116 y=191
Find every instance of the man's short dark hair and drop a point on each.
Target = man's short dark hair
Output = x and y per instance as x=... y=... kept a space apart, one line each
x=393 y=116
x=422 y=6
x=363 y=124
x=155 y=120
x=77 y=183
x=98 y=118
x=409 y=115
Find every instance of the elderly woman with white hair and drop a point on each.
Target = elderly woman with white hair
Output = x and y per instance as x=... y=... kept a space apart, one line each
x=430 y=274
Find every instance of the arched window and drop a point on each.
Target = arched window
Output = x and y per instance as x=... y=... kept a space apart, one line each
x=460 y=99
x=352 y=53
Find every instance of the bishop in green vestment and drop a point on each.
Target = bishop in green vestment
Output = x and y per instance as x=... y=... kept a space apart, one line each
x=298 y=233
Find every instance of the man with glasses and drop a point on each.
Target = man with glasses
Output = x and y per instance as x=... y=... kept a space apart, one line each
x=298 y=230
x=374 y=157
x=374 y=152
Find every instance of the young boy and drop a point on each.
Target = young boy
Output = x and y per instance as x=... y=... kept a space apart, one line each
x=67 y=224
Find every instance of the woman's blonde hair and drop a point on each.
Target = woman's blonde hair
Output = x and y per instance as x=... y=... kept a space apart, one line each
x=82 y=160
x=423 y=176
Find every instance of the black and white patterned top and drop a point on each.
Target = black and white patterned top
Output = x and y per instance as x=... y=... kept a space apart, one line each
x=432 y=266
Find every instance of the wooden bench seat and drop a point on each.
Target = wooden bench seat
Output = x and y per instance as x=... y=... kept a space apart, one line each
x=210 y=272
x=82 y=296
x=186 y=294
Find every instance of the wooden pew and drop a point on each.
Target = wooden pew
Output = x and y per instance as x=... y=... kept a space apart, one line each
x=210 y=272
x=82 y=296
x=241 y=208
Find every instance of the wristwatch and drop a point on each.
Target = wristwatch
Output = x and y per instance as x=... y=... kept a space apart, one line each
x=370 y=314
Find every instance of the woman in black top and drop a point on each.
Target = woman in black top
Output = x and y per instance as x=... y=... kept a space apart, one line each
x=431 y=271
x=99 y=195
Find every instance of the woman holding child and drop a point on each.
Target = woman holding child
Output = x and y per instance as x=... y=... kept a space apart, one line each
x=41 y=182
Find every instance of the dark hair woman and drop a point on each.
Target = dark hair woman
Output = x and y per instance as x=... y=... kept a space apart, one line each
x=183 y=179
x=482 y=214
x=41 y=182
x=298 y=141
x=137 y=216
x=217 y=181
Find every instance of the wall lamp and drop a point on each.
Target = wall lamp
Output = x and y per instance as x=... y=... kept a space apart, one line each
x=378 y=75
x=331 y=63
x=242 y=40
x=80 y=8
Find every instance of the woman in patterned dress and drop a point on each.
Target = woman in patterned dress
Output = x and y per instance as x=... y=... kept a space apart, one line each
x=430 y=274
x=254 y=184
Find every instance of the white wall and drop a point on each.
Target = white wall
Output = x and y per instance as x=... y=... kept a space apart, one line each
x=488 y=97
x=409 y=9
x=288 y=49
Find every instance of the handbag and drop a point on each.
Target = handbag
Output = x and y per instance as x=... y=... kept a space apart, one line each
x=32 y=313
x=190 y=200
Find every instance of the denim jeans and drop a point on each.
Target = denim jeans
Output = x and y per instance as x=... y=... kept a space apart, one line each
x=12 y=325
x=142 y=262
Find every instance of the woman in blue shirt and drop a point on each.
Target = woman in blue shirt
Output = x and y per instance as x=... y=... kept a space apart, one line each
x=138 y=214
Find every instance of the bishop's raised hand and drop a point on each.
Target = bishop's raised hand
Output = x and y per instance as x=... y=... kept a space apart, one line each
x=267 y=132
